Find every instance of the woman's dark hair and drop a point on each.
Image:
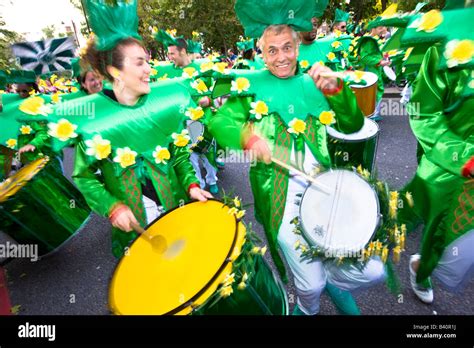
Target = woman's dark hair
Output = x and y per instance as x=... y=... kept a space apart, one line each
x=99 y=60
x=248 y=54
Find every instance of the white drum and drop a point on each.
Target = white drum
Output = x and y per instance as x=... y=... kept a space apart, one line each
x=388 y=71
x=344 y=221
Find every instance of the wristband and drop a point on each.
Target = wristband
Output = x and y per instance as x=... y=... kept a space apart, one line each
x=253 y=139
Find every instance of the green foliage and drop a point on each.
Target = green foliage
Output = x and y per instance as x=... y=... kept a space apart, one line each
x=215 y=19
x=49 y=32
x=7 y=38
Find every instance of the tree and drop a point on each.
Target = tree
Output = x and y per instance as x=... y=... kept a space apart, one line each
x=7 y=38
x=49 y=32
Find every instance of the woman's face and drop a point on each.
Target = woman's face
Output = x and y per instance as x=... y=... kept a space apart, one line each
x=135 y=74
x=92 y=83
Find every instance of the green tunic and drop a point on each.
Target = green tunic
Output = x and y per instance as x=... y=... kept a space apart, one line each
x=142 y=127
x=369 y=56
x=441 y=119
x=295 y=97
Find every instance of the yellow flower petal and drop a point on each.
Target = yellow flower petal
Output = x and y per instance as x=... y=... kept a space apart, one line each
x=459 y=52
x=430 y=21
x=240 y=85
x=182 y=139
x=327 y=117
x=25 y=129
x=125 y=157
x=161 y=155
x=11 y=143
x=297 y=126
x=195 y=113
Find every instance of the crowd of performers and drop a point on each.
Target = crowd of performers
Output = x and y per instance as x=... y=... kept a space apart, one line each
x=143 y=130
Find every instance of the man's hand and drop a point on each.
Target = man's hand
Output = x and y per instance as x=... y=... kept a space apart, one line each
x=123 y=218
x=199 y=194
x=323 y=83
x=259 y=148
x=385 y=62
x=27 y=148
x=204 y=102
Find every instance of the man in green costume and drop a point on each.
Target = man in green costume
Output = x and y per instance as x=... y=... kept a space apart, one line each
x=267 y=115
x=248 y=58
x=441 y=119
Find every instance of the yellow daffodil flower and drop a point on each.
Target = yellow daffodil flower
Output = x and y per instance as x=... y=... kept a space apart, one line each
x=336 y=44
x=125 y=157
x=63 y=130
x=428 y=22
x=259 y=109
x=263 y=251
x=206 y=66
x=331 y=56
x=384 y=254
x=327 y=117
x=153 y=72
x=255 y=250
x=297 y=126
x=161 y=155
x=11 y=143
x=25 y=129
x=396 y=254
x=226 y=291
x=182 y=139
x=195 y=113
x=189 y=72
x=221 y=68
x=409 y=199
x=55 y=98
x=304 y=64
x=35 y=106
x=245 y=277
x=237 y=202
x=98 y=147
x=240 y=214
x=164 y=77
x=459 y=52
x=229 y=279
x=241 y=286
x=241 y=84
x=199 y=86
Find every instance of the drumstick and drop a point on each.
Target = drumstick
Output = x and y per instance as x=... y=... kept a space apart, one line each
x=333 y=74
x=321 y=187
x=140 y=230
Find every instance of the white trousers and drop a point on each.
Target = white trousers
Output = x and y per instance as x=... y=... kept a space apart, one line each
x=457 y=262
x=151 y=209
x=311 y=277
x=211 y=172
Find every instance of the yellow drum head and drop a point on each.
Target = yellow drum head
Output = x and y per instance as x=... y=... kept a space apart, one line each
x=16 y=182
x=185 y=256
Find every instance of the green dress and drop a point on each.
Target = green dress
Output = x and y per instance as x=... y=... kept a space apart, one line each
x=153 y=122
x=286 y=99
x=441 y=119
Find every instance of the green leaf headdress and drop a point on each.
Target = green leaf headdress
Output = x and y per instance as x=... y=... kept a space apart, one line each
x=256 y=16
x=341 y=16
x=21 y=76
x=112 y=21
x=245 y=45
x=166 y=38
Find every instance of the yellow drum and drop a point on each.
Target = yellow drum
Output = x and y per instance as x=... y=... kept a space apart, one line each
x=195 y=259
x=367 y=94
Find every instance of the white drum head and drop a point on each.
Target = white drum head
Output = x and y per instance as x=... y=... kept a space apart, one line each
x=195 y=129
x=390 y=73
x=369 y=130
x=370 y=79
x=343 y=222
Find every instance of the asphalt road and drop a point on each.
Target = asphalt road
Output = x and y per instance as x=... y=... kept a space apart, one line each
x=75 y=279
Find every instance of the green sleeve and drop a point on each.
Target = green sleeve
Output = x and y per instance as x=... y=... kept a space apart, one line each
x=42 y=139
x=430 y=125
x=348 y=115
x=91 y=184
x=183 y=167
x=227 y=124
x=369 y=53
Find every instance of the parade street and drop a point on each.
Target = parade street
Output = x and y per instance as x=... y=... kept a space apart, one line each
x=75 y=279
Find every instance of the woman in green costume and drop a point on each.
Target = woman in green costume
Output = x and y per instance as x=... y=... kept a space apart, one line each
x=136 y=138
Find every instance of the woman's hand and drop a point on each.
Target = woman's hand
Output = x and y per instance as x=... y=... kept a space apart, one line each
x=199 y=194
x=123 y=218
x=27 y=148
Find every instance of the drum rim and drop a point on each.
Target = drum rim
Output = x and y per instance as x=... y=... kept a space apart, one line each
x=366 y=119
x=195 y=297
x=377 y=223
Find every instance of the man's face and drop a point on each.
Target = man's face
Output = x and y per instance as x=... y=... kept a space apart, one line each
x=280 y=53
x=310 y=36
x=176 y=55
x=341 y=26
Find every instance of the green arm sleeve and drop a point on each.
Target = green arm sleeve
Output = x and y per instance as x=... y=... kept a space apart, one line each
x=349 y=117
x=183 y=167
x=91 y=185
x=227 y=124
x=369 y=53
x=41 y=139
x=441 y=145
